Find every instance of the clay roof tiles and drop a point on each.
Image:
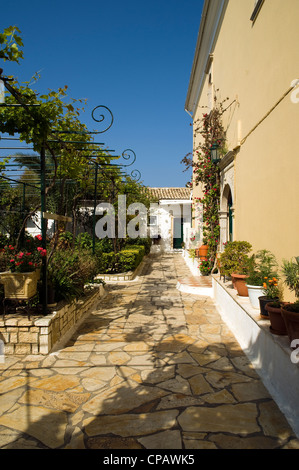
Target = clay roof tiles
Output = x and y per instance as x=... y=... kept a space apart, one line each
x=171 y=193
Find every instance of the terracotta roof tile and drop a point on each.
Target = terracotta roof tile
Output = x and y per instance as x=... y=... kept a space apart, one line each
x=171 y=193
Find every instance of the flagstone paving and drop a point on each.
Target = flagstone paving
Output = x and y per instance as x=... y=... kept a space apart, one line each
x=150 y=368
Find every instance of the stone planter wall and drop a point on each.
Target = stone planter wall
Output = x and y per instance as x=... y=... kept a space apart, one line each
x=21 y=335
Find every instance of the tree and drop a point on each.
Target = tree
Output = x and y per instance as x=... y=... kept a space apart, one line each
x=10 y=43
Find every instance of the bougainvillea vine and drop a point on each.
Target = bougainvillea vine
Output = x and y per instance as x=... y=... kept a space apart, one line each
x=208 y=131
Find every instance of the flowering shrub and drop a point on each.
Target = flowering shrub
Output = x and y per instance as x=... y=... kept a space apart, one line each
x=26 y=260
x=271 y=288
x=205 y=267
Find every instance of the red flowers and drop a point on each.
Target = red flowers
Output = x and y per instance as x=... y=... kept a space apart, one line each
x=26 y=261
x=42 y=251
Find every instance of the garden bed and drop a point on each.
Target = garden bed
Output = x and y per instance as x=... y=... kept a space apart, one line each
x=270 y=354
x=126 y=276
x=40 y=334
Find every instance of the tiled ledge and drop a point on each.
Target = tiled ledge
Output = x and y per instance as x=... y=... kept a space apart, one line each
x=269 y=354
x=196 y=285
x=39 y=335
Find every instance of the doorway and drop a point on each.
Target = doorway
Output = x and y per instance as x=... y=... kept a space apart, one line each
x=178 y=233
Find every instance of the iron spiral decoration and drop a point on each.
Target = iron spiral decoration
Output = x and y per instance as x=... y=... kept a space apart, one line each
x=105 y=115
x=129 y=154
x=136 y=175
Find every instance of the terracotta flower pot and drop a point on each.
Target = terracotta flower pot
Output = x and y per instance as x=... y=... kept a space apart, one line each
x=277 y=322
x=239 y=282
x=291 y=319
x=203 y=251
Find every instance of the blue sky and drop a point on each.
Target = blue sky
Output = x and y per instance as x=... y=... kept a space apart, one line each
x=132 y=56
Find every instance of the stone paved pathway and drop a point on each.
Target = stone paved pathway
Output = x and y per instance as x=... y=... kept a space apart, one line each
x=150 y=368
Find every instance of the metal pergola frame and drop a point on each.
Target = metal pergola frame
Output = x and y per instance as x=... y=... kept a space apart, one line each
x=40 y=184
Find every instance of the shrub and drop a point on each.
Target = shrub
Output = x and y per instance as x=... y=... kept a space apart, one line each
x=69 y=271
x=126 y=260
x=106 y=262
x=104 y=245
x=235 y=258
x=290 y=269
x=65 y=239
x=84 y=240
x=130 y=257
x=263 y=265
x=146 y=242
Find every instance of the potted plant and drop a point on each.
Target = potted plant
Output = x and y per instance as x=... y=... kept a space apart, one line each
x=20 y=281
x=235 y=263
x=203 y=250
x=271 y=304
x=290 y=311
x=263 y=265
x=271 y=293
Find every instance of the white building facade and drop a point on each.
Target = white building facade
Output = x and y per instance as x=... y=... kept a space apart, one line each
x=170 y=218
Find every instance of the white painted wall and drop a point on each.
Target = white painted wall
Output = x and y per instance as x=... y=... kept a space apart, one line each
x=33 y=226
x=165 y=212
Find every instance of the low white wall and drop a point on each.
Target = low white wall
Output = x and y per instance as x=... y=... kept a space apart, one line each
x=269 y=354
x=191 y=263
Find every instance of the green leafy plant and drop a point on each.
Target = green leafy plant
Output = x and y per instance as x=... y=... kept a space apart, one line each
x=139 y=241
x=262 y=265
x=290 y=269
x=69 y=270
x=84 y=240
x=65 y=239
x=271 y=288
x=235 y=258
x=10 y=43
x=126 y=260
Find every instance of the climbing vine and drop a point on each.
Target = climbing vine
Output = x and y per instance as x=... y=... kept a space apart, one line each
x=208 y=131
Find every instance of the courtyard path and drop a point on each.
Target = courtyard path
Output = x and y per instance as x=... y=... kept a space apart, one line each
x=150 y=368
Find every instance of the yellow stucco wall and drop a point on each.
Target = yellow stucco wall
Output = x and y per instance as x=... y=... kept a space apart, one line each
x=255 y=64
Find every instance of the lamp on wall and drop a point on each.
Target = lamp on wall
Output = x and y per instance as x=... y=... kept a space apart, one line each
x=215 y=153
